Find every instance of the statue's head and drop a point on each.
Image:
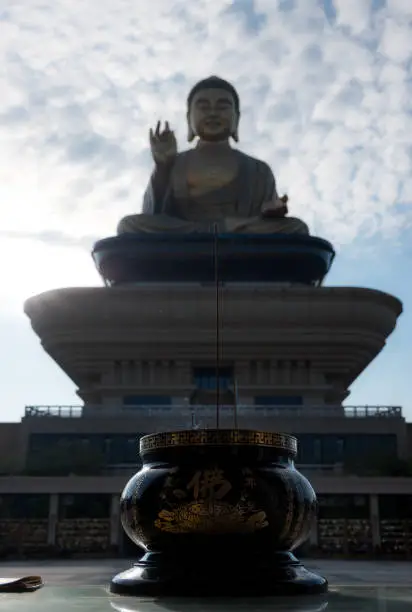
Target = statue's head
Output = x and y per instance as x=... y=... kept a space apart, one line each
x=213 y=110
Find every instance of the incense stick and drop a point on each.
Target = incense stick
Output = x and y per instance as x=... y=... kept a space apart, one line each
x=218 y=322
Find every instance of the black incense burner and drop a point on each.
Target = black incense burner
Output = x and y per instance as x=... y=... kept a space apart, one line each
x=218 y=512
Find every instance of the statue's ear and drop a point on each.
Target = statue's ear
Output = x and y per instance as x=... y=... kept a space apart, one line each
x=235 y=133
x=190 y=132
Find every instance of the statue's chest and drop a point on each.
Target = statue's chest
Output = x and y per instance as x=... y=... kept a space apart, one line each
x=205 y=173
x=217 y=169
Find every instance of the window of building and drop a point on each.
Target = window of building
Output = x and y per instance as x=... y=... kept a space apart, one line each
x=124 y=449
x=351 y=449
x=340 y=450
x=85 y=505
x=205 y=378
x=372 y=449
x=131 y=450
x=317 y=451
x=395 y=507
x=310 y=449
x=24 y=506
x=343 y=506
x=329 y=449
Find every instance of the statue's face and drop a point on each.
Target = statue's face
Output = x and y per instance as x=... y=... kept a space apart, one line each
x=212 y=115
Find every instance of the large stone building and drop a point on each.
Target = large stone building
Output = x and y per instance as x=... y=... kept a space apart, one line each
x=144 y=358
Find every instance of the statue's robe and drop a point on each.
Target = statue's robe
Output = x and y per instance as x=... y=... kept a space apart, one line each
x=235 y=207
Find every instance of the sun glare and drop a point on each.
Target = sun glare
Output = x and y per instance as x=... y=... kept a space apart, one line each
x=30 y=267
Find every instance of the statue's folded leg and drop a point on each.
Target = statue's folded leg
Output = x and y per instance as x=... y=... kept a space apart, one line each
x=257 y=225
x=155 y=224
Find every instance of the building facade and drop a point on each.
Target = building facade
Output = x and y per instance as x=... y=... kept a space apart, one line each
x=166 y=355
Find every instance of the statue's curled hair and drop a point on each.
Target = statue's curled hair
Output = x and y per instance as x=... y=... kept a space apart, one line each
x=215 y=82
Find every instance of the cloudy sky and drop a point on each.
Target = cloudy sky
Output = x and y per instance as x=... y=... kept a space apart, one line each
x=326 y=91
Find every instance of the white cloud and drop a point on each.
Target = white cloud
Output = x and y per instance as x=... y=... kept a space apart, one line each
x=396 y=43
x=81 y=87
x=354 y=14
x=400 y=8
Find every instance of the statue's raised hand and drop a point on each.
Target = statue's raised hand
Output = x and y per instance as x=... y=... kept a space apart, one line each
x=163 y=144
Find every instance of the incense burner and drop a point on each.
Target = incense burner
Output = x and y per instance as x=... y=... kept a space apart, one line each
x=219 y=510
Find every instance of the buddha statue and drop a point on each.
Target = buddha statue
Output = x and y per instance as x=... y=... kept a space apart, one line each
x=211 y=185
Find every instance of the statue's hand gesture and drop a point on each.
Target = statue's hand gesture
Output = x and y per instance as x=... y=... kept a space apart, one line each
x=163 y=144
x=277 y=209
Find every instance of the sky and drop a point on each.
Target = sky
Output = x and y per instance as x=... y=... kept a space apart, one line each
x=326 y=98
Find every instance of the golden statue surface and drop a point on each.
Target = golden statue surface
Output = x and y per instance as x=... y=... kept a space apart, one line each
x=211 y=184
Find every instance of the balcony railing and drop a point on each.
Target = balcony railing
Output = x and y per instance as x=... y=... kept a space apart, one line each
x=198 y=415
x=54 y=411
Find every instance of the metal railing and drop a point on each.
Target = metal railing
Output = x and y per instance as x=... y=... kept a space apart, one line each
x=54 y=411
x=191 y=412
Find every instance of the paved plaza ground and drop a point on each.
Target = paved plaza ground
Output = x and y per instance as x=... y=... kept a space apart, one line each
x=381 y=586
x=94 y=573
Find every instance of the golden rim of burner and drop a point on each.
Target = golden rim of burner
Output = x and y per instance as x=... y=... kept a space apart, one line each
x=219 y=437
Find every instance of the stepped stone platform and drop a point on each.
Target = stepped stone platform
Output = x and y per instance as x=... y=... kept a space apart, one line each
x=131 y=258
